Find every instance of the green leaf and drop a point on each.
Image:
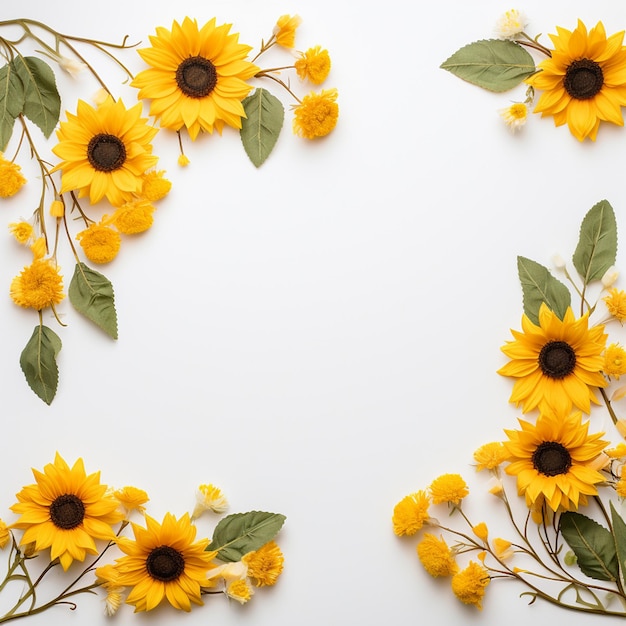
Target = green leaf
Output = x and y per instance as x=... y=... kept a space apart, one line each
x=240 y=533
x=597 y=244
x=91 y=293
x=619 y=534
x=493 y=64
x=42 y=103
x=11 y=102
x=38 y=362
x=593 y=545
x=260 y=129
x=538 y=286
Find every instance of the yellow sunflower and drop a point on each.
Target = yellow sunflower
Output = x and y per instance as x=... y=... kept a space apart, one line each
x=197 y=77
x=555 y=460
x=557 y=363
x=163 y=562
x=584 y=81
x=105 y=151
x=65 y=511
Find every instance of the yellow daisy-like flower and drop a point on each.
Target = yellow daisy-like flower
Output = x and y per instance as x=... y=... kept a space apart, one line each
x=133 y=217
x=197 y=77
x=66 y=510
x=554 y=460
x=616 y=304
x=105 y=151
x=448 y=488
x=22 y=231
x=316 y=115
x=265 y=565
x=155 y=185
x=436 y=557
x=515 y=115
x=240 y=590
x=490 y=456
x=11 y=178
x=5 y=534
x=583 y=82
x=38 y=286
x=410 y=514
x=556 y=364
x=285 y=30
x=313 y=64
x=100 y=243
x=164 y=563
x=469 y=584
x=614 y=361
x=131 y=498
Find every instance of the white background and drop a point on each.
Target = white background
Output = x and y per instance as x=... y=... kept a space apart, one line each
x=318 y=337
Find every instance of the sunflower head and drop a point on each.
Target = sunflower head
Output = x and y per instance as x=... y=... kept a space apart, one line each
x=197 y=77
x=66 y=510
x=555 y=460
x=557 y=363
x=583 y=83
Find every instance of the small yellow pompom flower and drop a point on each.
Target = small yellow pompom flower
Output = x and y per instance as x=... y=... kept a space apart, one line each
x=133 y=217
x=410 y=514
x=155 y=185
x=448 y=488
x=131 y=498
x=313 y=64
x=22 y=231
x=100 y=243
x=57 y=208
x=616 y=303
x=481 y=531
x=436 y=556
x=265 y=565
x=240 y=590
x=614 y=361
x=11 y=178
x=316 y=115
x=469 y=584
x=38 y=286
x=285 y=30
x=183 y=160
x=490 y=455
x=5 y=534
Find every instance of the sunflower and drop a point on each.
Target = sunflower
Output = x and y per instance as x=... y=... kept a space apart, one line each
x=584 y=81
x=197 y=77
x=164 y=562
x=556 y=363
x=65 y=511
x=555 y=460
x=105 y=151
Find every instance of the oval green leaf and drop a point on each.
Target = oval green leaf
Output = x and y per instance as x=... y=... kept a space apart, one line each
x=619 y=533
x=592 y=544
x=262 y=125
x=494 y=64
x=240 y=533
x=91 y=294
x=42 y=103
x=11 y=102
x=597 y=244
x=539 y=286
x=38 y=362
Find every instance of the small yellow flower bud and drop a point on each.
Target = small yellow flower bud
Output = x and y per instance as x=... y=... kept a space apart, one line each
x=183 y=160
x=481 y=531
x=39 y=248
x=609 y=277
x=57 y=208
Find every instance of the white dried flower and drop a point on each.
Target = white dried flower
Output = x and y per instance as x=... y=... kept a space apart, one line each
x=510 y=24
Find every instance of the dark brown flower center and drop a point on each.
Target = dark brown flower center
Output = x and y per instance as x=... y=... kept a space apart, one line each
x=67 y=512
x=551 y=458
x=165 y=563
x=583 y=79
x=557 y=359
x=106 y=152
x=196 y=77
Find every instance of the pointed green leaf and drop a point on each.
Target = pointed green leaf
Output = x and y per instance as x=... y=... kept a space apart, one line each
x=91 y=293
x=538 y=286
x=619 y=533
x=11 y=102
x=597 y=244
x=493 y=64
x=38 y=362
x=593 y=545
x=42 y=103
x=240 y=533
x=262 y=125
